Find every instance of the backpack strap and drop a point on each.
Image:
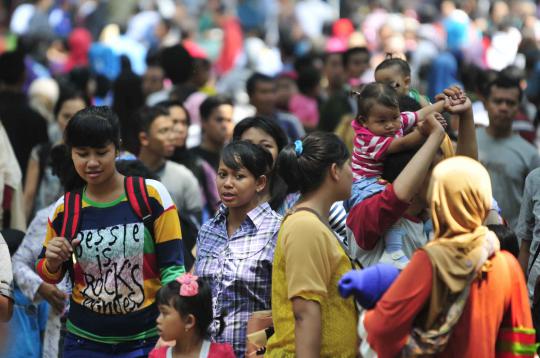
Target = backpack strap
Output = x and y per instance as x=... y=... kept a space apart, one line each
x=71 y=223
x=72 y=214
x=137 y=196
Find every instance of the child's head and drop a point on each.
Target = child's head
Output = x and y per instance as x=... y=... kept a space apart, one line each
x=396 y=73
x=185 y=307
x=378 y=109
x=507 y=238
x=243 y=173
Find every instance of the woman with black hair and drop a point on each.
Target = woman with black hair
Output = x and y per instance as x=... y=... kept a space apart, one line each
x=235 y=249
x=118 y=260
x=42 y=187
x=268 y=134
x=310 y=318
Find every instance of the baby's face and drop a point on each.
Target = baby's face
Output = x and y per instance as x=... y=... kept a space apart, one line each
x=395 y=78
x=383 y=121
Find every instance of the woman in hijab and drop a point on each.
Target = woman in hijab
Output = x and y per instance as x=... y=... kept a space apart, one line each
x=459 y=296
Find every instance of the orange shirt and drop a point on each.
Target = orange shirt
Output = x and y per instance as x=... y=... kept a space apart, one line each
x=497 y=300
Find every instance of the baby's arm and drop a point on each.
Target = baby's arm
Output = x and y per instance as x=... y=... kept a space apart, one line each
x=412 y=140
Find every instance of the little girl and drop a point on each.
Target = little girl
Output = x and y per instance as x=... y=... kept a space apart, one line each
x=185 y=307
x=380 y=129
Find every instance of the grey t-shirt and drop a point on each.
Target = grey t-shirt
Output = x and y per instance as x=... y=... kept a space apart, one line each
x=528 y=227
x=183 y=187
x=508 y=161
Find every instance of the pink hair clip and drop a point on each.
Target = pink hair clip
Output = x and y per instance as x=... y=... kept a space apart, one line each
x=188 y=285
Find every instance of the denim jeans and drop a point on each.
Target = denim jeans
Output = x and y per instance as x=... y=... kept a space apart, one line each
x=361 y=190
x=78 y=347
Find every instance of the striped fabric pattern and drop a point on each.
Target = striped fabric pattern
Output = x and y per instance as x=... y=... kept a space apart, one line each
x=118 y=266
x=516 y=343
x=369 y=149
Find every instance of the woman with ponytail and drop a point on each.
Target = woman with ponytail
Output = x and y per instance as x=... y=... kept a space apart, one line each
x=310 y=319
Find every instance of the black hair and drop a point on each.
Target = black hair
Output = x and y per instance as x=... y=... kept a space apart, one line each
x=403 y=66
x=394 y=163
x=308 y=79
x=506 y=82
x=243 y=154
x=484 y=79
x=353 y=51
x=103 y=85
x=507 y=238
x=80 y=77
x=94 y=126
x=12 y=68
x=373 y=93
x=255 y=78
x=134 y=168
x=177 y=63
x=211 y=103
x=265 y=124
x=172 y=103
x=408 y=104
x=128 y=98
x=147 y=115
x=200 y=305
x=307 y=170
x=278 y=188
x=66 y=94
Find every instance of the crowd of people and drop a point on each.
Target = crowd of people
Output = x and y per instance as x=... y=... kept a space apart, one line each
x=284 y=178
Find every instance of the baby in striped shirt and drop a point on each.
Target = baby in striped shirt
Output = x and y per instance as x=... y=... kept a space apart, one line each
x=380 y=129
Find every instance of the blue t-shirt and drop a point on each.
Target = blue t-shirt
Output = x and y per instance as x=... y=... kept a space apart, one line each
x=25 y=328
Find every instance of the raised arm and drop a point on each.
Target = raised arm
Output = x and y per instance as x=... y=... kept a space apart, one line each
x=411 y=178
x=466 y=144
x=410 y=141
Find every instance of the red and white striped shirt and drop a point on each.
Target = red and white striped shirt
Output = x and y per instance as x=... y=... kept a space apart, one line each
x=369 y=149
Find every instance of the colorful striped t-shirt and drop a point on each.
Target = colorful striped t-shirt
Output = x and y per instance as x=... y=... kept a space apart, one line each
x=119 y=265
x=369 y=149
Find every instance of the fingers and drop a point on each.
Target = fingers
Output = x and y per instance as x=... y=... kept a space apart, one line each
x=75 y=243
x=59 y=249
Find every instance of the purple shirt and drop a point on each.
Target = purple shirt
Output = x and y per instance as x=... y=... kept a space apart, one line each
x=239 y=269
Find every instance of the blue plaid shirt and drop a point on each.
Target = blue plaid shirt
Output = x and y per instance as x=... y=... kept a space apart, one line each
x=238 y=268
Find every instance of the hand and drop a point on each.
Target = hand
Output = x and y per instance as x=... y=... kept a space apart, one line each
x=440 y=118
x=429 y=126
x=53 y=295
x=454 y=93
x=58 y=251
x=369 y=284
x=459 y=108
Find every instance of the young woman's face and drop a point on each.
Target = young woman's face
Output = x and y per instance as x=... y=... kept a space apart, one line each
x=169 y=323
x=345 y=181
x=238 y=188
x=383 y=121
x=68 y=110
x=259 y=137
x=180 y=125
x=94 y=165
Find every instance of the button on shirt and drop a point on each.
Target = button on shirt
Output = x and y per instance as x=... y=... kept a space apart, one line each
x=239 y=269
